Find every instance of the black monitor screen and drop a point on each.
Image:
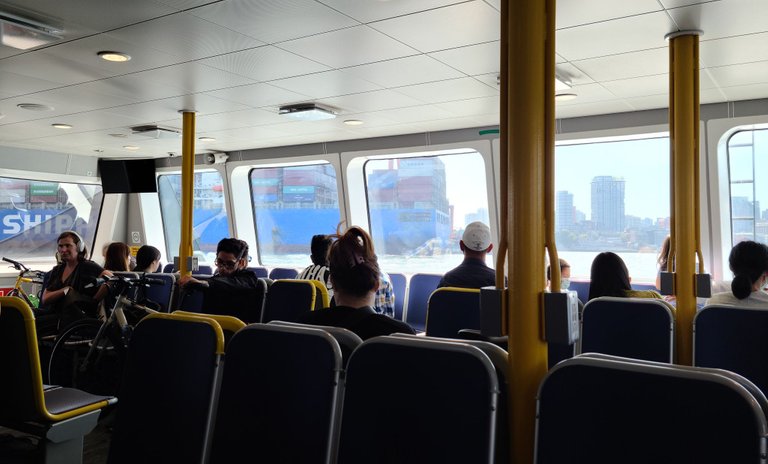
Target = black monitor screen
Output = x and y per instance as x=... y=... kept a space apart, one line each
x=127 y=176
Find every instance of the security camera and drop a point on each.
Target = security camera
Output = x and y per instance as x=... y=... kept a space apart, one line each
x=216 y=158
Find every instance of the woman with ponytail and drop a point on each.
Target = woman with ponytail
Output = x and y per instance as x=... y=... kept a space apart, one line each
x=355 y=279
x=749 y=263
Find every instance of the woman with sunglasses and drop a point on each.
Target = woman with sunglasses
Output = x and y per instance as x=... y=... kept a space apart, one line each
x=233 y=287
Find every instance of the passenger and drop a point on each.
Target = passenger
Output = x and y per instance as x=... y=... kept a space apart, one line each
x=749 y=263
x=319 y=268
x=117 y=258
x=233 y=288
x=609 y=277
x=662 y=260
x=355 y=276
x=472 y=272
x=565 y=275
x=147 y=259
x=384 y=299
x=68 y=296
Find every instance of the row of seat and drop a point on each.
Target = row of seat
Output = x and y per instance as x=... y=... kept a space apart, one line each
x=284 y=392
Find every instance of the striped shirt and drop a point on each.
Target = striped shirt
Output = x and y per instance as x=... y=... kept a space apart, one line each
x=317 y=272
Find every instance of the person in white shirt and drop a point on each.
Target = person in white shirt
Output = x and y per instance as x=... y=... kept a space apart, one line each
x=749 y=263
x=319 y=269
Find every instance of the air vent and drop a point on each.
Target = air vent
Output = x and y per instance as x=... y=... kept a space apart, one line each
x=156 y=132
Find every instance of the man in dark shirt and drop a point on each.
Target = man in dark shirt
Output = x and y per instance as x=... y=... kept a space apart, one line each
x=472 y=272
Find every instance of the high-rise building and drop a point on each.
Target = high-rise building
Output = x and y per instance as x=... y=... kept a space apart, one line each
x=564 y=211
x=608 y=203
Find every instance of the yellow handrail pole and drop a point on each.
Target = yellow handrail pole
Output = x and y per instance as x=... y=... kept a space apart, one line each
x=527 y=33
x=187 y=187
x=549 y=150
x=683 y=48
x=501 y=253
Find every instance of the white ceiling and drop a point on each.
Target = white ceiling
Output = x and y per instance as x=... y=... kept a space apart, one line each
x=400 y=66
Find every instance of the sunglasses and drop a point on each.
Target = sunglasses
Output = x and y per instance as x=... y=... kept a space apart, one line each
x=225 y=264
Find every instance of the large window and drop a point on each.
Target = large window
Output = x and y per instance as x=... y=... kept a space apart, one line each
x=612 y=196
x=748 y=172
x=209 y=219
x=34 y=213
x=291 y=204
x=418 y=208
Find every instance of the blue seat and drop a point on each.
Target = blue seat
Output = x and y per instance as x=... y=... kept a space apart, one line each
x=191 y=297
x=597 y=408
x=420 y=288
x=644 y=287
x=398 y=286
x=451 y=309
x=283 y=273
x=279 y=396
x=641 y=328
x=260 y=271
x=202 y=269
x=448 y=415
x=171 y=371
x=162 y=294
x=735 y=339
x=287 y=299
x=581 y=288
x=168 y=268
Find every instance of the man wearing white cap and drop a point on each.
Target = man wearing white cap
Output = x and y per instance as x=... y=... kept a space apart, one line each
x=472 y=272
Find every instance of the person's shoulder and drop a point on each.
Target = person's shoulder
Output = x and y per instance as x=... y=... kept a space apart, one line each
x=91 y=266
x=644 y=294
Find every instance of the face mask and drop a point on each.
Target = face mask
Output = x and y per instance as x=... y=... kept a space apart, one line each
x=564 y=284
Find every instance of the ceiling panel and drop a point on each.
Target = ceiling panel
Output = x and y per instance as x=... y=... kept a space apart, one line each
x=275 y=21
x=348 y=47
x=326 y=84
x=236 y=119
x=740 y=74
x=264 y=63
x=472 y=59
x=416 y=113
x=734 y=50
x=257 y=95
x=193 y=77
x=587 y=93
x=609 y=38
x=185 y=36
x=405 y=71
x=17 y=84
x=588 y=109
x=448 y=27
x=472 y=107
x=371 y=101
x=724 y=18
x=451 y=90
x=577 y=12
x=649 y=85
x=635 y=64
x=746 y=92
x=168 y=108
x=367 y=11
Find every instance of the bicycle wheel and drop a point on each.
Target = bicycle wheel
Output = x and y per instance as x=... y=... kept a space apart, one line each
x=80 y=360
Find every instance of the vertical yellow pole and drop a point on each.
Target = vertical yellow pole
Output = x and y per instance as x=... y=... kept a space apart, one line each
x=525 y=129
x=187 y=189
x=549 y=150
x=684 y=136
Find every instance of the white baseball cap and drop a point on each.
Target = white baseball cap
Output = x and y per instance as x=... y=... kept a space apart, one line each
x=477 y=236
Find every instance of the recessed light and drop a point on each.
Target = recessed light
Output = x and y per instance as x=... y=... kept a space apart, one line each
x=115 y=57
x=130 y=147
x=34 y=107
x=59 y=125
x=561 y=97
x=120 y=136
x=207 y=139
x=354 y=122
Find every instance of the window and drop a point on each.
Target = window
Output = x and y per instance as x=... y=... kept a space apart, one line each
x=418 y=208
x=34 y=213
x=209 y=215
x=291 y=204
x=747 y=165
x=612 y=196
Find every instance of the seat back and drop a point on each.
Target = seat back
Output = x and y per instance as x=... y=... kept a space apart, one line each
x=260 y=271
x=168 y=268
x=283 y=273
x=229 y=325
x=581 y=287
x=451 y=309
x=608 y=409
x=735 y=339
x=279 y=389
x=348 y=341
x=191 y=297
x=322 y=298
x=244 y=303
x=448 y=415
x=287 y=299
x=398 y=286
x=641 y=328
x=420 y=288
x=171 y=374
x=162 y=294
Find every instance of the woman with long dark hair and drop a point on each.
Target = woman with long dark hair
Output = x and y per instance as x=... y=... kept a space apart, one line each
x=749 y=263
x=610 y=277
x=118 y=257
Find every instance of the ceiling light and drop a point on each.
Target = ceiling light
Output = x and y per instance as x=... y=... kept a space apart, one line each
x=307 y=112
x=207 y=139
x=354 y=122
x=130 y=147
x=35 y=107
x=561 y=97
x=116 y=57
x=24 y=33
x=59 y=125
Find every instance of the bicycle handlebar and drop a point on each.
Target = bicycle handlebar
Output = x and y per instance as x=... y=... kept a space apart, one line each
x=16 y=265
x=131 y=281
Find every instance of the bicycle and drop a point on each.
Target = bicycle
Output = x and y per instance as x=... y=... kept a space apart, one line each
x=18 y=289
x=90 y=353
